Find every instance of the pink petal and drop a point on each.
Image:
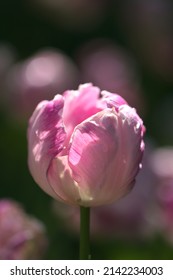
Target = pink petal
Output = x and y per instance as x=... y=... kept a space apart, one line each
x=46 y=137
x=93 y=148
x=104 y=156
x=60 y=179
x=131 y=127
x=112 y=100
x=79 y=105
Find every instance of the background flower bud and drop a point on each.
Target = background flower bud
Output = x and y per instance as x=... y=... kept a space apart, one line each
x=21 y=236
x=39 y=77
x=162 y=165
x=116 y=70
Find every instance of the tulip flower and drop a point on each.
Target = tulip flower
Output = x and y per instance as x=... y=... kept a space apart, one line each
x=84 y=150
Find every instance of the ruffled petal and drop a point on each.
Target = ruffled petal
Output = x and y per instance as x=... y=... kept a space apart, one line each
x=110 y=100
x=79 y=105
x=46 y=136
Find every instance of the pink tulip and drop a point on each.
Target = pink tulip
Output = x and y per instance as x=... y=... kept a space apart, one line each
x=84 y=150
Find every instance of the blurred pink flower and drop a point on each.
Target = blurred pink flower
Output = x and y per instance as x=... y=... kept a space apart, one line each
x=162 y=162
x=116 y=70
x=21 y=236
x=83 y=150
x=151 y=39
x=39 y=77
x=162 y=217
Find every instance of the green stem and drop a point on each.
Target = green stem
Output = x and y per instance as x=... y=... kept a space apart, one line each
x=84 y=233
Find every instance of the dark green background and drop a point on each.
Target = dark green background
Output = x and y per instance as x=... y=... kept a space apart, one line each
x=28 y=30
